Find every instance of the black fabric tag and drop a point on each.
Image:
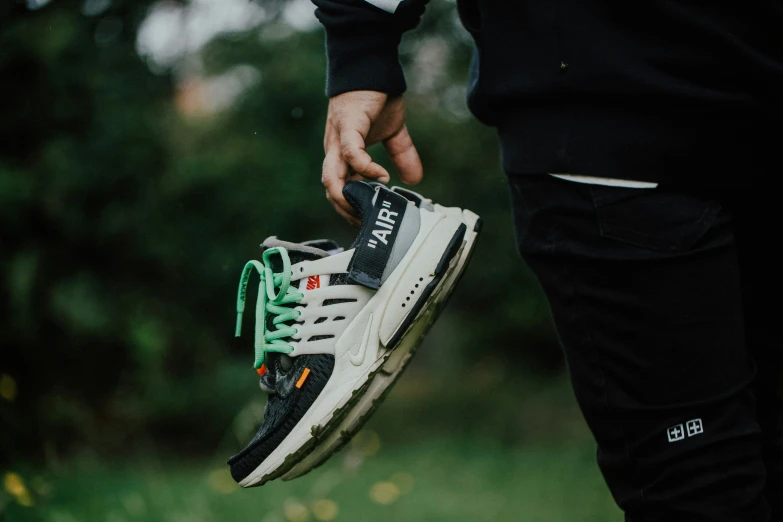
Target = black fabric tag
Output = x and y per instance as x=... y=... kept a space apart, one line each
x=380 y=227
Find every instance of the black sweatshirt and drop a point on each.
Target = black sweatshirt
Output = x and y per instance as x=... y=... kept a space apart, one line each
x=686 y=91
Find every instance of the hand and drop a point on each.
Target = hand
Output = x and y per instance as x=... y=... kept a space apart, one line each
x=356 y=120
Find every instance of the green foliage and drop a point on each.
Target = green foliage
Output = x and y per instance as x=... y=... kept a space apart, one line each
x=126 y=218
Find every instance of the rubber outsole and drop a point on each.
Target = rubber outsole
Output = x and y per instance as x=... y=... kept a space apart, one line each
x=319 y=433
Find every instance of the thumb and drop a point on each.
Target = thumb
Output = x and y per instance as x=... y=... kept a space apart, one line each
x=404 y=156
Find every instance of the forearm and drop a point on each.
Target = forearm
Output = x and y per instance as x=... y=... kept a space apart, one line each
x=362 y=38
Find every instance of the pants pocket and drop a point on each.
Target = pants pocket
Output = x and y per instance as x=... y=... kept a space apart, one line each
x=652 y=218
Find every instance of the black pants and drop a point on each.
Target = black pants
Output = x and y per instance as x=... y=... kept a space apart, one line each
x=668 y=306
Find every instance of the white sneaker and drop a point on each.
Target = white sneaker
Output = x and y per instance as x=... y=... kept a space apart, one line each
x=377 y=388
x=328 y=321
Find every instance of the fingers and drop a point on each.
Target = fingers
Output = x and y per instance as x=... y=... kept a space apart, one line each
x=333 y=178
x=353 y=220
x=334 y=173
x=352 y=147
x=404 y=156
x=355 y=120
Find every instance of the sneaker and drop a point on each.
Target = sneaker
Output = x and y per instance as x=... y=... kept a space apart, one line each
x=380 y=385
x=327 y=320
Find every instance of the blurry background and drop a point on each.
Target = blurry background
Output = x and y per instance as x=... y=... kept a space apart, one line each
x=146 y=149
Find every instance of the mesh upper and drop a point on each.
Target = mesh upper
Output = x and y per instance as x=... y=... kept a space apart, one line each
x=287 y=404
x=283 y=412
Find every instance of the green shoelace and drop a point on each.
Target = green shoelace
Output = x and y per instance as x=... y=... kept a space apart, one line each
x=269 y=302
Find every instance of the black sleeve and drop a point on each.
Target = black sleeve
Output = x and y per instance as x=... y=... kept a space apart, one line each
x=362 y=37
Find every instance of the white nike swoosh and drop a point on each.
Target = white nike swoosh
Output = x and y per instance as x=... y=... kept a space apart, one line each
x=358 y=358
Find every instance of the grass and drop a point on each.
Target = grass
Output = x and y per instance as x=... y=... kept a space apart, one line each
x=433 y=480
x=442 y=456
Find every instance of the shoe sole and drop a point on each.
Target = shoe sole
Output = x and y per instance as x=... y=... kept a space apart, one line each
x=375 y=391
x=318 y=432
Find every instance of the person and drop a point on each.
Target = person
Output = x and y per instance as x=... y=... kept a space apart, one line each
x=640 y=141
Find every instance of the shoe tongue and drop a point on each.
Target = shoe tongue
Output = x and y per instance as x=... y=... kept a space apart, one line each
x=296 y=251
x=306 y=251
x=330 y=246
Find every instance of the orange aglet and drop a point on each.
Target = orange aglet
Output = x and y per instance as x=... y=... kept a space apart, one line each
x=303 y=377
x=262 y=370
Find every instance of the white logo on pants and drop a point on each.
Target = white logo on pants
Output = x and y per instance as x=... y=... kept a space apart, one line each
x=676 y=433
x=691 y=428
x=694 y=427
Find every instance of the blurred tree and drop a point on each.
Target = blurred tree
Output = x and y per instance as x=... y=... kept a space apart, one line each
x=129 y=200
x=82 y=149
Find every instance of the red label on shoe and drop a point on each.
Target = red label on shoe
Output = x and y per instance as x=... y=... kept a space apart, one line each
x=313 y=282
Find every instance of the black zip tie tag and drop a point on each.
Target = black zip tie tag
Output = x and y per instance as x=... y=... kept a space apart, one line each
x=376 y=239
